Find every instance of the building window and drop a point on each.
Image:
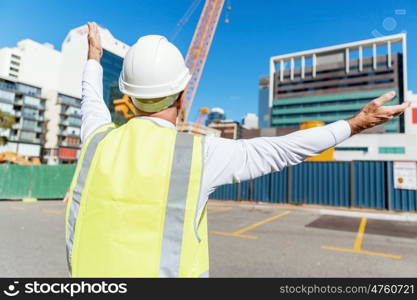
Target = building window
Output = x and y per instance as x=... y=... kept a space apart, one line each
x=15 y=56
x=28 y=136
x=391 y=150
x=14 y=69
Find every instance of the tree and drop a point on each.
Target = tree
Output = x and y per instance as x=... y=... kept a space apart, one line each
x=6 y=122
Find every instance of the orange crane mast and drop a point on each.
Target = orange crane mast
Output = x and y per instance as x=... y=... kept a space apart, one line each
x=198 y=51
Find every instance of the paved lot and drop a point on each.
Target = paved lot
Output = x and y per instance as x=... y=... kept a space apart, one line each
x=245 y=241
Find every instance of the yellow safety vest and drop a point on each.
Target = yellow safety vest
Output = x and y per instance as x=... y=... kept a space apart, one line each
x=133 y=203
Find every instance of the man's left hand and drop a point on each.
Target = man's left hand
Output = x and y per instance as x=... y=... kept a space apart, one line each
x=95 y=50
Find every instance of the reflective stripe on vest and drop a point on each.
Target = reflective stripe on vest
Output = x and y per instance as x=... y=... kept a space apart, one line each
x=175 y=210
x=78 y=189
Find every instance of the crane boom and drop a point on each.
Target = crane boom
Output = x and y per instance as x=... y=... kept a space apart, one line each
x=198 y=51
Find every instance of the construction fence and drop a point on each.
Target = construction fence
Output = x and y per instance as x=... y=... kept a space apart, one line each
x=349 y=184
x=42 y=182
x=367 y=184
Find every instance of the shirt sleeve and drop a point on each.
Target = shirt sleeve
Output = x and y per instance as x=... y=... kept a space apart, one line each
x=228 y=161
x=94 y=112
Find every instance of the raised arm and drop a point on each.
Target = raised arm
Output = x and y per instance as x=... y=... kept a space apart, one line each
x=229 y=161
x=94 y=112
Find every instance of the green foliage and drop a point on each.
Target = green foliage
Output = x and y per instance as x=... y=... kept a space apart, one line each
x=6 y=122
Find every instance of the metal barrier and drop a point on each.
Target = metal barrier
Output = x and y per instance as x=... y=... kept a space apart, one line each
x=358 y=183
x=370 y=181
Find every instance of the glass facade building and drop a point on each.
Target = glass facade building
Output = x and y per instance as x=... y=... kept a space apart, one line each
x=263 y=103
x=112 y=65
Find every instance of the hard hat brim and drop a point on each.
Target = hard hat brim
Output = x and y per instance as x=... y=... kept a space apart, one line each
x=155 y=91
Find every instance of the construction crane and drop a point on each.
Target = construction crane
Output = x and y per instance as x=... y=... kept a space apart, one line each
x=203 y=112
x=195 y=61
x=198 y=51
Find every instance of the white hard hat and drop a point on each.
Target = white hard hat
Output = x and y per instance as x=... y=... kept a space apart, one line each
x=153 y=74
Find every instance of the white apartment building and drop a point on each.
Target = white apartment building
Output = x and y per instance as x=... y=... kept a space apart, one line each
x=59 y=75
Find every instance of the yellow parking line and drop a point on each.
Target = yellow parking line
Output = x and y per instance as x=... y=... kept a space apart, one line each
x=239 y=232
x=357 y=246
x=362 y=252
x=250 y=227
x=252 y=237
x=17 y=208
x=358 y=242
x=221 y=209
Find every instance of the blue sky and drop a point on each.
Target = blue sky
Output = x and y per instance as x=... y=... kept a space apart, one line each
x=240 y=50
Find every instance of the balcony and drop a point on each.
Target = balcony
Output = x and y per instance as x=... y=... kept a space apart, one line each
x=42 y=105
x=75 y=123
x=32 y=117
x=13 y=138
x=63 y=122
x=69 y=133
x=8 y=101
x=69 y=101
x=66 y=144
x=28 y=128
x=31 y=140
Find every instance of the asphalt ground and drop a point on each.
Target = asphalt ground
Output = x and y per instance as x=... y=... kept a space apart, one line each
x=245 y=241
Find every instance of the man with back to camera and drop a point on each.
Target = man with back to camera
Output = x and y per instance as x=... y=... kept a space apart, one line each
x=138 y=200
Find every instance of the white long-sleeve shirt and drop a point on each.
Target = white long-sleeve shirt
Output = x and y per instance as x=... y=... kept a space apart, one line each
x=225 y=161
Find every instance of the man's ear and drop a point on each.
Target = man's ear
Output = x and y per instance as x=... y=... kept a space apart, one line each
x=136 y=111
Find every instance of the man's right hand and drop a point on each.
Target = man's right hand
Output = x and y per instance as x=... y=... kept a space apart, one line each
x=374 y=113
x=95 y=50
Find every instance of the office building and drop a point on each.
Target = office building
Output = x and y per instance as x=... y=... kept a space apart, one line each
x=333 y=83
x=58 y=74
x=263 y=102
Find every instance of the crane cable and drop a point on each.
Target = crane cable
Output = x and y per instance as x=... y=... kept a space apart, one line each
x=191 y=9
